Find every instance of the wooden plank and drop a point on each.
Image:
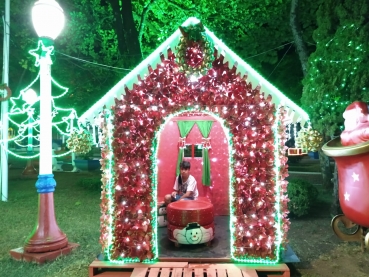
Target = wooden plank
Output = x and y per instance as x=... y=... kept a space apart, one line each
x=105 y=264
x=154 y=272
x=223 y=266
x=190 y=265
x=177 y=272
x=169 y=264
x=165 y=272
x=178 y=268
x=221 y=272
x=235 y=272
x=282 y=268
x=187 y=272
x=92 y=271
x=114 y=274
x=139 y=272
x=199 y=272
x=249 y=272
x=210 y=272
x=261 y=267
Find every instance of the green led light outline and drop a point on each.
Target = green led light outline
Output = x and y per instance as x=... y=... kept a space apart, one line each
x=110 y=190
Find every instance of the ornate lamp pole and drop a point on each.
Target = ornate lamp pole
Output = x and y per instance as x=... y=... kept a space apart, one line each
x=47 y=238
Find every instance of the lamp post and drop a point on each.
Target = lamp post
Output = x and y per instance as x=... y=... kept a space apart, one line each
x=47 y=241
x=48 y=21
x=30 y=97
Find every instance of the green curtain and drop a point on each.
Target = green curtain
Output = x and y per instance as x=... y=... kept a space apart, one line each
x=205 y=127
x=184 y=128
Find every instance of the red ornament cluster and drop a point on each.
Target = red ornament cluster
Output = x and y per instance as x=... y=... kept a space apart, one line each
x=194 y=55
x=250 y=117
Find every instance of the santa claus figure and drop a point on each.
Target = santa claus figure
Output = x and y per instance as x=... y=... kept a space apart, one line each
x=356 y=124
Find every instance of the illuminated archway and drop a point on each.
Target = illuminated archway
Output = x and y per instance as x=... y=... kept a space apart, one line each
x=257 y=163
x=219 y=162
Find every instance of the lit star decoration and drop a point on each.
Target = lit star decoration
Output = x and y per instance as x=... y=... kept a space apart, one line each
x=256 y=138
x=355 y=177
x=41 y=47
x=24 y=115
x=347 y=196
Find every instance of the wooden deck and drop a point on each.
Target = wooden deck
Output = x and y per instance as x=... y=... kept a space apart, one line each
x=184 y=269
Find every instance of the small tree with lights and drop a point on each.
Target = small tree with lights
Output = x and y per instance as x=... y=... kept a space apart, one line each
x=337 y=73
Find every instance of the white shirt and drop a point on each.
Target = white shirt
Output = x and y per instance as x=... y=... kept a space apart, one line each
x=189 y=185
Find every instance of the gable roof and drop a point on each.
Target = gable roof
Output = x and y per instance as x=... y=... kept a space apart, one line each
x=294 y=112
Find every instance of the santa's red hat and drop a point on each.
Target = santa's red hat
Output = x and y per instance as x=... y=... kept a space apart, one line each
x=360 y=107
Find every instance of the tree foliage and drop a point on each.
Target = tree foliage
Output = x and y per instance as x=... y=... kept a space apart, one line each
x=337 y=73
x=104 y=39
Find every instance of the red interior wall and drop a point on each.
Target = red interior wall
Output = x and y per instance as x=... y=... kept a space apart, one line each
x=218 y=193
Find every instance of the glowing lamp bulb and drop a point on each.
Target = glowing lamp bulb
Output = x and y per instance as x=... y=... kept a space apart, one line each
x=48 y=18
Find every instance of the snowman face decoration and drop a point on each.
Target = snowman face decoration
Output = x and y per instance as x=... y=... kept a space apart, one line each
x=162 y=210
x=193 y=236
x=193 y=233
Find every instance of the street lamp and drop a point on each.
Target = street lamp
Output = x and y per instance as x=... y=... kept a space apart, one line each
x=48 y=21
x=47 y=238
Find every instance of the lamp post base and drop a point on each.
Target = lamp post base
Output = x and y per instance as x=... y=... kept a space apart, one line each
x=39 y=243
x=20 y=254
x=47 y=236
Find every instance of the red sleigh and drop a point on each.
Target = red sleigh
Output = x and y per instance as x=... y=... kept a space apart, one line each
x=353 y=176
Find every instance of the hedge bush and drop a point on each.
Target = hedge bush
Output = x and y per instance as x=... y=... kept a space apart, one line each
x=303 y=195
x=90 y=183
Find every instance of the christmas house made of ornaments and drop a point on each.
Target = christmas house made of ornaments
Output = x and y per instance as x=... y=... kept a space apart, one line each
x=193 y=76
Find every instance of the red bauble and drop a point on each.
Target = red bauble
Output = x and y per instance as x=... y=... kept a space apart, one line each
x=194 y=55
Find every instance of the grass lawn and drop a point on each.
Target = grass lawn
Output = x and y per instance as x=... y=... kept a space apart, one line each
x=77 y=213
x=77 y=210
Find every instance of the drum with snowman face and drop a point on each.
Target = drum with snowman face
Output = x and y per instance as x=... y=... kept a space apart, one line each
x=190 y=222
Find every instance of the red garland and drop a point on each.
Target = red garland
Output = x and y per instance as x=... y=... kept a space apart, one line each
x=250 y=117
x=194 y=54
